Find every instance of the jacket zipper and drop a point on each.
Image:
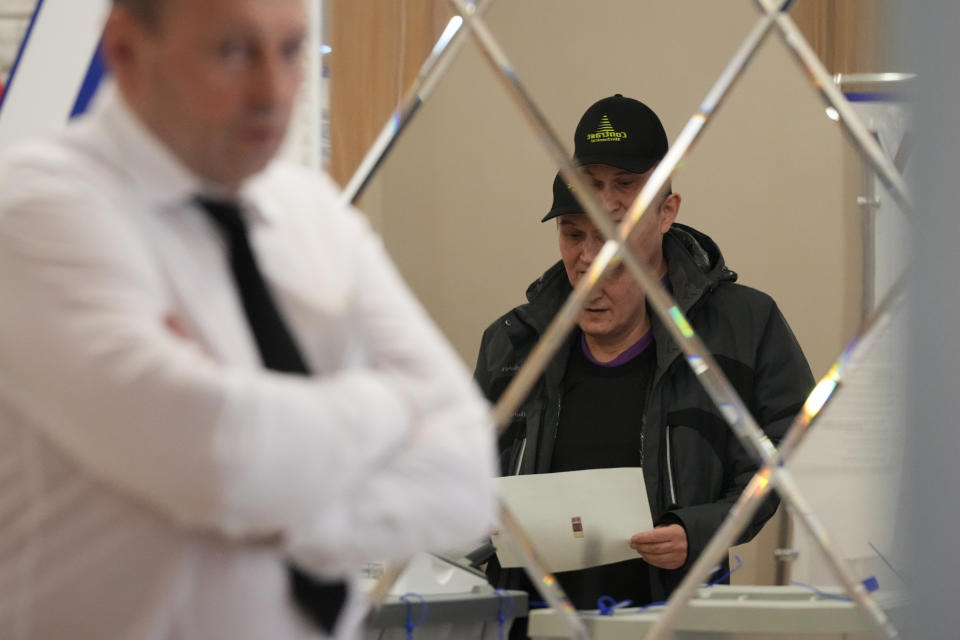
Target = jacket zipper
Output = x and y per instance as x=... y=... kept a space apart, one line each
x=643 y=438
x=556 y=423
x=673 y=491
x=523 y=448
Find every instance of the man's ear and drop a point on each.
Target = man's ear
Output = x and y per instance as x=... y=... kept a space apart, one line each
x=122 y=39
x=669 y=211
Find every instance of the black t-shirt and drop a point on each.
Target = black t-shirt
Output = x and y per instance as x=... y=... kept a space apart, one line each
x=602 y=409
x=600 y=427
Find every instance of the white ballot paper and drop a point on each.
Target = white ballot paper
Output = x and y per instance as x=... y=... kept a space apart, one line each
x=576 y=519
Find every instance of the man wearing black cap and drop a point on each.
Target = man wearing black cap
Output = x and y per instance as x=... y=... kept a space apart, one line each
x=619 y=393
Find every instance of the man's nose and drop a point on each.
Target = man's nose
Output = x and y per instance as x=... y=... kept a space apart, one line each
x=591 y=248
x=609 y=199
x=273 y=83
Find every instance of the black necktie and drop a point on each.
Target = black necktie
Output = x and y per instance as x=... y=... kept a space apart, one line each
x=320 y=601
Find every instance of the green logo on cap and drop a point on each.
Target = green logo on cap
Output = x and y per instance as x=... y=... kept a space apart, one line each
x=605 y=132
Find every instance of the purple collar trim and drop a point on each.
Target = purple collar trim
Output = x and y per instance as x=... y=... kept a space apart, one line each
x=638 y=347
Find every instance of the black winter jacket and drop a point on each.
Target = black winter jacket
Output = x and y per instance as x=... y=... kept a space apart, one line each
x=693 y=465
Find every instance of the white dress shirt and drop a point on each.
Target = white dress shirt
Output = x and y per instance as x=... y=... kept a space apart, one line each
x=154 y=478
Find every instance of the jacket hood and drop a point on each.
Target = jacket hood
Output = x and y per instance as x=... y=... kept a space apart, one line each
x=552 y=281
x=694 y=263
x=701 y=249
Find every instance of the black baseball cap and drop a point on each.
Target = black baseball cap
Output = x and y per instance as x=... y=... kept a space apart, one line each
x=622 y=133
x=563 y=200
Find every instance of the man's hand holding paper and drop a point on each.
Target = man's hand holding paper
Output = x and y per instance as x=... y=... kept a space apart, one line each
x=578 y=519
x=664 y=546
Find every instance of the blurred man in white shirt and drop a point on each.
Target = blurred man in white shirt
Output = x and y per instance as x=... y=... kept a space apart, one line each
x=159 y=472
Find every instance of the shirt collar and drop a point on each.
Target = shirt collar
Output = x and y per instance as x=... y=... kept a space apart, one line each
x=163 y=180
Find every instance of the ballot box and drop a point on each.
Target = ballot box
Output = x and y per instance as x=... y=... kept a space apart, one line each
x=447 y=616
x=444 y=599
x=727 y=612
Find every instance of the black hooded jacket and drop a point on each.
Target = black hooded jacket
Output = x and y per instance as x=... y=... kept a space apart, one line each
x=693 y=465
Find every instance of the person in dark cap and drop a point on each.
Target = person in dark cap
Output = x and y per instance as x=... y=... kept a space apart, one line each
x=619 y=393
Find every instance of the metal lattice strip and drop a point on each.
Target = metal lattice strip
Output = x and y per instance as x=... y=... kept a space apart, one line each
x=429 y=75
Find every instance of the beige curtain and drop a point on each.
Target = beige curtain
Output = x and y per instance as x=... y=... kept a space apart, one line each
x=377 y=47
x=847 y=34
